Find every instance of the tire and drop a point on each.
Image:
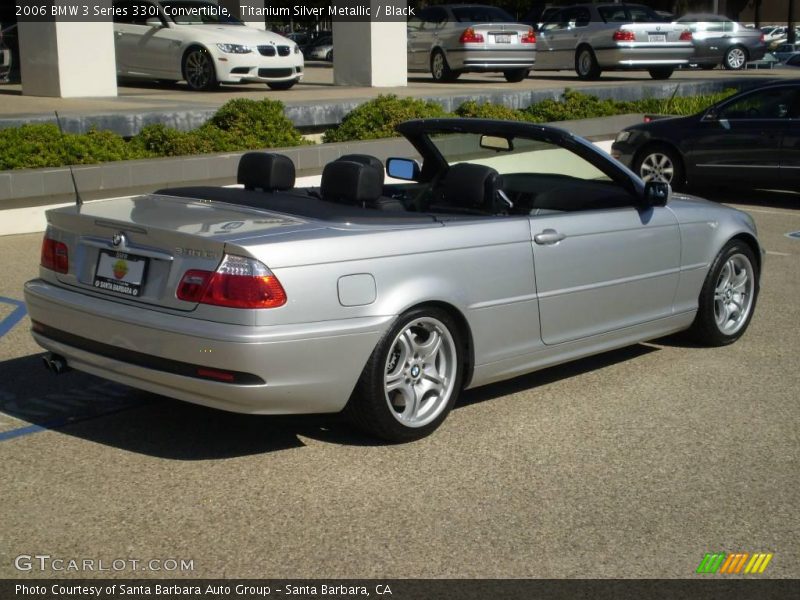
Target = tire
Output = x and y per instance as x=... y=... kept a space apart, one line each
x=515 y=75
x=440 y=70
x=661 y=72
x=735 y=58
x=586 y=65
x=282 y=85
x=658 y=162
x=329 y=56
x=409 y=361
x=198 y=70
x=728 y=297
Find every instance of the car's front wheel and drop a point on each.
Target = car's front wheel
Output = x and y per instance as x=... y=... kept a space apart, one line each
x=735 y=58
x=412 y=378
x=728 y=297
x=660 y=163
x=515 y=75
x=198 y=70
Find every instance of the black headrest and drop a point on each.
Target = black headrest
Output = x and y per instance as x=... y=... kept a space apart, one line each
x=471 y=186
x=365 y=159
x=350 y=182
x=266 y=170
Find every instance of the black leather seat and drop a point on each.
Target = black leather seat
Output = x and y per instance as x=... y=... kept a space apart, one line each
x=266 y=171
x=357 y=182
x=468 y=188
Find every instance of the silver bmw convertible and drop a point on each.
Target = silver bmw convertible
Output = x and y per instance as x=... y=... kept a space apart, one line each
x=493 y=249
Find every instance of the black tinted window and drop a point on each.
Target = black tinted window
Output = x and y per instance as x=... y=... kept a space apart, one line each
x=481 y=14
x=766 y=104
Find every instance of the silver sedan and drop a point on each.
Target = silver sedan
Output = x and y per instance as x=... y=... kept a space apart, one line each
x=510 y=248
x=719 y=40
x=592 y=38
x=449 y=40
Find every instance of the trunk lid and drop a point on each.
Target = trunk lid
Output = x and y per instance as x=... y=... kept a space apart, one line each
x=139 y=248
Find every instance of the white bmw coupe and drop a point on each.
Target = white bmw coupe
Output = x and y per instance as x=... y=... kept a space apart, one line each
x=198 y=42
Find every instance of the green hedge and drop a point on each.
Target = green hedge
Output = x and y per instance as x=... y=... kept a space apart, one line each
x=244 y=124
x=377 y=118
x=240 y=124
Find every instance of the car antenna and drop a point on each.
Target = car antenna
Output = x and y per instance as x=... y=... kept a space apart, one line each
x=78 y=199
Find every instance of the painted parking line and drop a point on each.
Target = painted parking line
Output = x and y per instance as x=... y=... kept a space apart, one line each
x=15 y=317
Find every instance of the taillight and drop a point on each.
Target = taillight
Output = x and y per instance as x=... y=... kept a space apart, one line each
x=55 y=255
x=529 y=38
x=623 y=35
x=239 y=282
x=686 y=36
x=762 y=39
x=470 y=37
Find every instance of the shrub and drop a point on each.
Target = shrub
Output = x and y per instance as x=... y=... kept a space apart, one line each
x=377 y=118
x=159 y=140
x=34 y=146
x=472 y=109
x=243 y=124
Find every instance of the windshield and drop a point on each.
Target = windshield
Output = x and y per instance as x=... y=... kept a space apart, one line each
x=521 y=155
x=481 y=14
x=197 y=12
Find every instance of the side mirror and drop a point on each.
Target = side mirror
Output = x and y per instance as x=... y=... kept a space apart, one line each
x=710 y=115
x=656 y=193
x=154 y=22
x=403 y=168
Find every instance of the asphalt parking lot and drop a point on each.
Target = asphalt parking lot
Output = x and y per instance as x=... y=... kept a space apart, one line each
x=634 y=463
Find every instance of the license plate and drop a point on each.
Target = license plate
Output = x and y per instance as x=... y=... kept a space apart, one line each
x=656 y=38
x=120 y=272
x=502 y=39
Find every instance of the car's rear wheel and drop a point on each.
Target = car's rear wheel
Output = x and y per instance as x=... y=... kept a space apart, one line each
x=735 y=58
x=281 y=85
x=661 y=72
x=658 y=162
x=586 y=64
x=728 y=297
x=440 y=69
x=329 y=56
x=412 y=378
x=515 y=75
x=198 y=70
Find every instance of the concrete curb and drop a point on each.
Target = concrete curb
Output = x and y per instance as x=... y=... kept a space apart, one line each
x=26 y=194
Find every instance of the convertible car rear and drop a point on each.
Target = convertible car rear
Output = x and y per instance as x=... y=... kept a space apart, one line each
x=507 y=248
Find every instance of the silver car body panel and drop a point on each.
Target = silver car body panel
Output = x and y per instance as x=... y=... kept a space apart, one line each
x=619 y=276
x=501 y=48
x=655 y=45
x=713 y=38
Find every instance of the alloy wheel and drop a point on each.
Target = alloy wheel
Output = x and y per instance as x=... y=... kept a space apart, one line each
x=420 y=372
x=733 y=294
x=657 y=167
x=199 y=70
x=736 y=58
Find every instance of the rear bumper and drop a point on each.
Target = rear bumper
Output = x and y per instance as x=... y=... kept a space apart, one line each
x=635 y=55
x=307 y=368
x=481 y=60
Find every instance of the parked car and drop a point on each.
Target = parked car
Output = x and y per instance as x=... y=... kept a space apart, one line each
x=773 y=33
x=448 y=40
x=749 y=139
x=386 y=300
x=320 y=49
x=784 y=51
x=592 y=38
x=9 y=53
x=719 y=40
x=189 y=40
x=791 y=63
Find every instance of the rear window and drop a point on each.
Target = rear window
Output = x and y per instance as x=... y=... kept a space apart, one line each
x=481 y=14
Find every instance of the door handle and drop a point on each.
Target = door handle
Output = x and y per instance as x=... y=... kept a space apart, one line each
x=548 y=236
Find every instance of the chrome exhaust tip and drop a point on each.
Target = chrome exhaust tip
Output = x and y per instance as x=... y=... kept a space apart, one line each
x=55 y=363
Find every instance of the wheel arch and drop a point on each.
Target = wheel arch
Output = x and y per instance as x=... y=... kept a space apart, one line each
x=753 y=244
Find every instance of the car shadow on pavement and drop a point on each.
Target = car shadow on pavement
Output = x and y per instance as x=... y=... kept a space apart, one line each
x=86 y=407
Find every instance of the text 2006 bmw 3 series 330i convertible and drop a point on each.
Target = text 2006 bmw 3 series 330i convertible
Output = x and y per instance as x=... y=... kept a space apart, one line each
x=499 y=248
